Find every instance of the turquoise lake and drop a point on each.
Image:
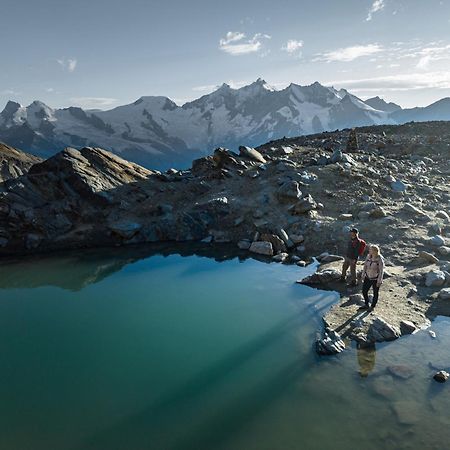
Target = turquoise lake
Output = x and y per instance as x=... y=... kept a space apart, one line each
x=148 y=349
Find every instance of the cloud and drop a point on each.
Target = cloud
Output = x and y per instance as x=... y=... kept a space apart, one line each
x=293 y=47
x=50 y=89
x=9 y=92
x=237 y=43
x=398 y=82
x=348 y=53
x=68 y=64
x=205 y=88
x=377 y=6
x=93 y=102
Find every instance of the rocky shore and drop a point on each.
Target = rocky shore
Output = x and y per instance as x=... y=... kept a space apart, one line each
x=289 y=200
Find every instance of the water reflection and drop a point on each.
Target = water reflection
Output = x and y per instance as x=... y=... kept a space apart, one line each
x=366 y=354
x=75 y=270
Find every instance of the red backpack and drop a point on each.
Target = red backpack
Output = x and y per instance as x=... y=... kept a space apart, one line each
x=362 y=247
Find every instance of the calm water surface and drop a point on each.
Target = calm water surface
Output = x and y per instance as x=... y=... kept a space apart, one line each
x=124 y=349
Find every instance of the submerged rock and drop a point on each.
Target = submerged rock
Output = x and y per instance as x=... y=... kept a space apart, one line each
x=441 y=376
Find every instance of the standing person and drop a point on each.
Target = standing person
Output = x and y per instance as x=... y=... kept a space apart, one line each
x=372 y=275
x=355 y=248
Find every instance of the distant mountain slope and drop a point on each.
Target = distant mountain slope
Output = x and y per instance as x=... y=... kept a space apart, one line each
x=439 y=110
x=156 y=132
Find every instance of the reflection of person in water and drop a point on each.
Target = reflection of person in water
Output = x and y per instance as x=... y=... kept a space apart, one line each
x=366 y=358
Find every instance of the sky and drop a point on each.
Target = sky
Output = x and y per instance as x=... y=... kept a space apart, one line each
x=104 y=53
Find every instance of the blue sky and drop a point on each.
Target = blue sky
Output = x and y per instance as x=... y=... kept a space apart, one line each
x=102 y=53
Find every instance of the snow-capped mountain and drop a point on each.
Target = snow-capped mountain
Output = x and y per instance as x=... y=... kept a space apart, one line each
x=156 y=132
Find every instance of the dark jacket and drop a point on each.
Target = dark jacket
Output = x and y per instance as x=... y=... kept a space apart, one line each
x=353 y=249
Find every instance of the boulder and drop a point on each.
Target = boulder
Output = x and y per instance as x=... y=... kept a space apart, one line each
x=444 y=294
x=441 y=376
x=437 y=240
x=330 y=344
x=401 y=371
x=443 y=250
x=304 y=205
x=244 y=244
x=262 y=248
x=435 y=278
x=289 y=192
x=398 y=186
x=407 y=327
x=125 y=229
x=427 y=257
x=380 y=331
x=277 y=243
x=321 y=277
x=251 y=153
x=281 y=257
x=443 y=215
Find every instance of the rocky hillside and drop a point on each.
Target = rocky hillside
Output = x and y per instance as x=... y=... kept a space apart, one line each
x=288 y=200
x=157 y=133
x=14 y=163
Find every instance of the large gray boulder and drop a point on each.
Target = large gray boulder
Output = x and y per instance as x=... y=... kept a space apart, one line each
x=262 y=248
x=435 y=278
x=380 y=331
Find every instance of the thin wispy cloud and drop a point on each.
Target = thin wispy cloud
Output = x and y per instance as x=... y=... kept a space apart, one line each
x=398 y=82
x=237 y=43
x=293 y=47
x=347 y=54
x=68 y=64
x=93 y=102
x=377 y=6
x=9 y=92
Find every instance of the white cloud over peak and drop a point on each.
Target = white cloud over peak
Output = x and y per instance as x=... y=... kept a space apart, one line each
x=377 y=6
x=293 y=46
x=68 y=64
x=93 y=102
x=237 y=43
x=347 y=54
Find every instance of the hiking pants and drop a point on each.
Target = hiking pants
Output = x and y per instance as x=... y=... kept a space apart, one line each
x=368 y=283
x=352 y=264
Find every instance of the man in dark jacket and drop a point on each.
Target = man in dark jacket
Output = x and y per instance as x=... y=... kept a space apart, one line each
x=351 y=257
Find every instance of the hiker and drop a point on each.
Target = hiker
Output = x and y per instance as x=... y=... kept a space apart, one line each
x=355 y=249
x=372 y=275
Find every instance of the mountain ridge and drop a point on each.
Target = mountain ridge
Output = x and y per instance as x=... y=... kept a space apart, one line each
x=156 y=132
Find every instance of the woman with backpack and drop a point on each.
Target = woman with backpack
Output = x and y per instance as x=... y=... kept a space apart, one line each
x=372 y=275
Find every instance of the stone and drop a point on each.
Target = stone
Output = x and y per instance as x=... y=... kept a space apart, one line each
x=407 y=327
x=377 y=213
x=262 y=248
x=336 y=156
x=407 y=411
x=321 y=277
x=330 y=344
x=401 y=371
x=286 y=239
x=443 y=215
x=301 y=263
x=244 y=244
x=357 y=299
x=125 y=229
x=443 y=250
x=427 y=257
x=345 y=216
x=280 y=257
x=304 y=205
x=277 y=243
x=437 y=241
x=444 y=294
x=380 y=331
x=327 y=258
x=251 y=153
x=407 y=207
x=297 y=238
x=434 y=278
x=289 y=192
x=32 y=241
x=441 y=376
x=398 y=186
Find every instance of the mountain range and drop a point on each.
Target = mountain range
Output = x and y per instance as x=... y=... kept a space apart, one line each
x=156 y=132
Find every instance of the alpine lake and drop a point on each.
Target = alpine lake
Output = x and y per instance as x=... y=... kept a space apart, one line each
x=191 y=348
